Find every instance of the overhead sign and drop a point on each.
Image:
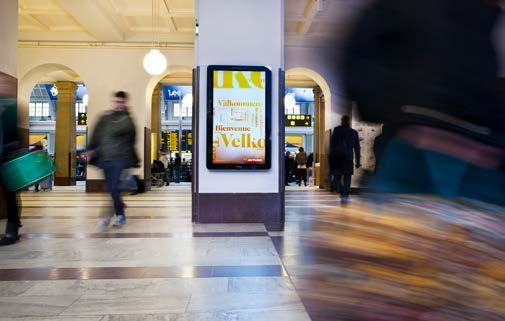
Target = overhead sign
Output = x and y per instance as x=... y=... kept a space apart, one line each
x=298 y=121
x=175 y=92
x=52 y=92
x=238 y=117
x=82 y=118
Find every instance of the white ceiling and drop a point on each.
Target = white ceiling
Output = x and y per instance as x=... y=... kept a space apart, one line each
x=128 y=22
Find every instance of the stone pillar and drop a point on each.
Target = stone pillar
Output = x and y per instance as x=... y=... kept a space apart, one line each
x=324 y=146
x=156 y=120
x=246 y=33
x=64 y=150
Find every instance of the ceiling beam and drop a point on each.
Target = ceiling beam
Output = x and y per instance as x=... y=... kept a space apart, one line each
x=175 y=13
x=94 y=19
x=47 y=12
x=171 y=22
x=38 y=25
x=312 y=8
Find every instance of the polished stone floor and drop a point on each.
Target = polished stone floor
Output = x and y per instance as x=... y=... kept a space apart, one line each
x=419 y=260
x=157 y=267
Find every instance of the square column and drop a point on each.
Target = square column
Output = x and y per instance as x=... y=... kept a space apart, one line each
x=64 y=150
x=244 y=33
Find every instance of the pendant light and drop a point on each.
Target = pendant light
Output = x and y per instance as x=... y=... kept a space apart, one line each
x=155 y=62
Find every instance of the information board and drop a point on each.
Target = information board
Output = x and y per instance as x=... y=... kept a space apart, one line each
x=298 y=121
x=238 y=117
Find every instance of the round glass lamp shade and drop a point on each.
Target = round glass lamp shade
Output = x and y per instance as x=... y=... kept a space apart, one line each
x=85 y=100
x=155 y=62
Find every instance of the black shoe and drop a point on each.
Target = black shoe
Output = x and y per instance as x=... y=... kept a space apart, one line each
x=8 y=240
x=134 y=193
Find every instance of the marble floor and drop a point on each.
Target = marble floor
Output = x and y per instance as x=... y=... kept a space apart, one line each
x=158 y=266
x=355 y=263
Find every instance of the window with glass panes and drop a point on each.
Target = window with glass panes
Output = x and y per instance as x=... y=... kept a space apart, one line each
x=39 y=109
x=79 y=108
x=181 y=111
x=295 y=110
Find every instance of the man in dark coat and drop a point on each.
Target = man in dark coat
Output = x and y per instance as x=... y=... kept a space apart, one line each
x=344 y=145
x=112 y=148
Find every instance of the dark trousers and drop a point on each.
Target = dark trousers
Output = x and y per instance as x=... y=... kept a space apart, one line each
x=166 y=178
x=112 y=172
x=13 y=221
x=302 y=175
x=177 y=173
x=343 y=184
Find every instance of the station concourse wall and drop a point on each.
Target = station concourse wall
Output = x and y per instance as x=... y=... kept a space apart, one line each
x=103 y=71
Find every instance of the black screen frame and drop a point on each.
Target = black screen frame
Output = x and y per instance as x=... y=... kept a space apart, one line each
x=210 y=117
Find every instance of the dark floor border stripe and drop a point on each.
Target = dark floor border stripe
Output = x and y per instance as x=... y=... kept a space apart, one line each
x=67 y=217
x=104 y=199
x=96 y=273
x=46 y=236
x=105 y=206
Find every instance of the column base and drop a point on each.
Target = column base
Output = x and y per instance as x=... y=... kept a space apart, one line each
x=263 y=208
x=64 y=181
x=95 y=186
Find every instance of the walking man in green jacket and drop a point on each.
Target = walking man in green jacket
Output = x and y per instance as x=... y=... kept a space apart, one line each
x=112 y=148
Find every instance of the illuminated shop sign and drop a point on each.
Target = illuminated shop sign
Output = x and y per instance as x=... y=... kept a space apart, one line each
x=175 y=92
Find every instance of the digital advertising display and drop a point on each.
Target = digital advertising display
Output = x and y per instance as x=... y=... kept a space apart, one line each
x=238 y=117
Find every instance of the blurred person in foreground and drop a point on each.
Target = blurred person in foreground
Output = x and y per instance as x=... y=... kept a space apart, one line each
x=112 y=148
x=344 y=150
x=427 y=70
x=8 y=145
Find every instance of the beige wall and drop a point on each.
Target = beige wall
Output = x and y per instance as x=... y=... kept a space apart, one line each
x=319 y=63
x=8 y=36
x=103 y=71
x=107 y=70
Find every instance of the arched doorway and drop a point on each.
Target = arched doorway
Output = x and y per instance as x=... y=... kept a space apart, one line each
x=54 y=109
x=308 y=97
x=171 y=124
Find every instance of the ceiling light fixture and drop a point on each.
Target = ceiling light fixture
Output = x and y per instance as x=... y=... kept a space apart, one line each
x=155 y=62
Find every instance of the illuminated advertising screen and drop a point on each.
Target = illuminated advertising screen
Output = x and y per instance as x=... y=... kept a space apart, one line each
x=238 y=117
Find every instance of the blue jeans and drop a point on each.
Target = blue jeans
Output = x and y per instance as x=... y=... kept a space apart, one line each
x=112 y=171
